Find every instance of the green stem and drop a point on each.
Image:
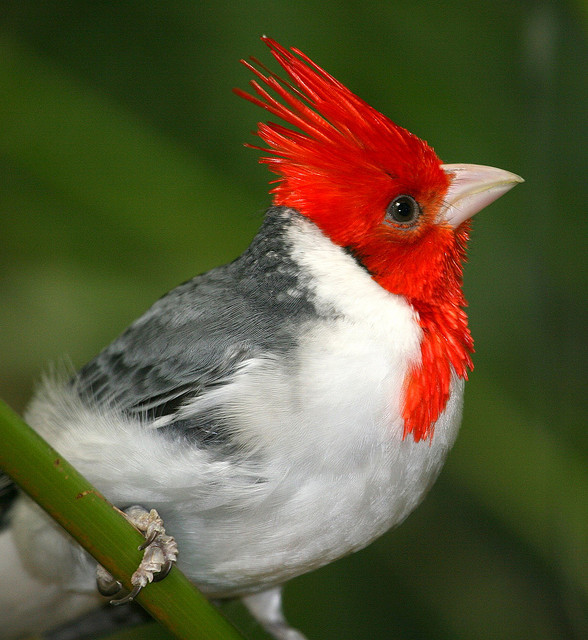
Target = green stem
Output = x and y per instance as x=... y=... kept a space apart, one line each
x=84 y=512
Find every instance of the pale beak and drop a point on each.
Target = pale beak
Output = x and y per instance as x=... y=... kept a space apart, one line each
x=473 y=187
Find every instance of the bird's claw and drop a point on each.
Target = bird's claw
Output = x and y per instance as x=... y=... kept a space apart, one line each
x=160 y=553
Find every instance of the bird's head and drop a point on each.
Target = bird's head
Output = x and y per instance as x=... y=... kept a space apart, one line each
x=383 y=194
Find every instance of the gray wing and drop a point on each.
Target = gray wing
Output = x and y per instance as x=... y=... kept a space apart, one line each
x=198 y=335
x=191 y=339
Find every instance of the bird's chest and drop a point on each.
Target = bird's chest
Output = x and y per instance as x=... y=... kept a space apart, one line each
x=352 y=472
x=338 y=471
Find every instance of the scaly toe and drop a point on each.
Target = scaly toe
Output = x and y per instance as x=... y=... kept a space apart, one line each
x=160 y=554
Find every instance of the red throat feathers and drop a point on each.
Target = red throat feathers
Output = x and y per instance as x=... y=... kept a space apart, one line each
x=342 y=167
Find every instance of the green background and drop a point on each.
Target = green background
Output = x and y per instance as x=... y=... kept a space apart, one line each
x=123 y=173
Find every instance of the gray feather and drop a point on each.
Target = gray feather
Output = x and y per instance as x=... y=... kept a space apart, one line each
x=198 y=335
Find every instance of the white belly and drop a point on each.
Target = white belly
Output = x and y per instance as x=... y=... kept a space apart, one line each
x=334 y=470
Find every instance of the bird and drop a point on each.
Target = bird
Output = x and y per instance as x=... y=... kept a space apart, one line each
x=288 y=408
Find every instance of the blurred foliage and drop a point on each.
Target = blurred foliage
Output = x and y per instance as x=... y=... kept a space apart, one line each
x=122 y=173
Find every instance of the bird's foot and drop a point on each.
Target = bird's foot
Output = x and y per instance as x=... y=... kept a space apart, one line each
x=160 y=553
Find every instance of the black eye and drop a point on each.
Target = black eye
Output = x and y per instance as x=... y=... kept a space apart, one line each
x=403 y=210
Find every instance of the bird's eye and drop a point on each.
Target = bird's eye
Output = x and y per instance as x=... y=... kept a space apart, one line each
x=403 y=210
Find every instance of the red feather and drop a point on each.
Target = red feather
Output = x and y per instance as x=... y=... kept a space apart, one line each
x=341 y=167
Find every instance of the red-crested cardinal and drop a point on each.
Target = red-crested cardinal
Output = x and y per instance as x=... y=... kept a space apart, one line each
x=288 y=408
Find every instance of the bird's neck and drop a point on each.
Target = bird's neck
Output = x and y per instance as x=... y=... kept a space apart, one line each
x=445 y=340
x=435 y=292
x=445 y=352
